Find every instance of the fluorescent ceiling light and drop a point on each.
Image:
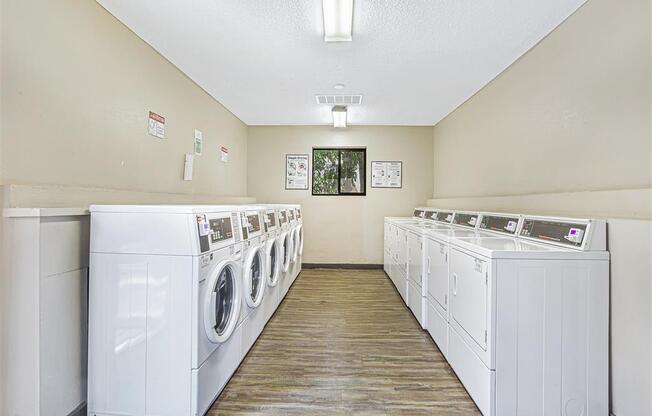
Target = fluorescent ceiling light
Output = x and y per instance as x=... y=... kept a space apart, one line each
x=339 y=116
x=338 y=20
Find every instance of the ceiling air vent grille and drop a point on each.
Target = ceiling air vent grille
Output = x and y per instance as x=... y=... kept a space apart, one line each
x=339 y=99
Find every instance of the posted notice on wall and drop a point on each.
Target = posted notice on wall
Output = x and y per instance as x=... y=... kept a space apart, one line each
x=386 y=174
x=156 y=125
x=199 y=142
x=224 y=154
x=296 y=171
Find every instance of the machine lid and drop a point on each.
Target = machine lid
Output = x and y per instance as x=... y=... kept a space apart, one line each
x=513 y=248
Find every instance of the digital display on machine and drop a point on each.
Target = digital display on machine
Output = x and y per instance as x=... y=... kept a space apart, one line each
x=444 y=216
x=501 y=224
x=220 y=229
x=253 y=223
x=467 y=220
x=271 y=220
x=298 y=213
x=418 y=213
x=429 y=215
x=291 y=214
x=571 y=234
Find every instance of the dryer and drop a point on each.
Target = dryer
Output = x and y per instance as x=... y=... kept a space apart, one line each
x=165 y=292
x=253 y=316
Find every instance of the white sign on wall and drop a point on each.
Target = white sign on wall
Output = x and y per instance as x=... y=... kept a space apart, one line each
x=224 y=154
x=296 y=172
x=199 y=142
x=156 y=125
x=386 y=174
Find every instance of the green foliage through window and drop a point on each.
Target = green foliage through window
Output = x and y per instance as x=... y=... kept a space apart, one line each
x=338 y=171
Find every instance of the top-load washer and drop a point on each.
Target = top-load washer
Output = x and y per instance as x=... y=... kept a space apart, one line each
x=252 y=316
x=529 y=318
x=464 y=225
x=165 y=292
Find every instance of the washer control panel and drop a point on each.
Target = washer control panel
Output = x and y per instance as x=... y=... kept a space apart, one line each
x=499 y=223
x=561 y=232
x=282 y=216
x=216 y=230
x=466 y=220
x=429 y=215
x=444 y=216
x=418 y=213
x=269 y=220
x=251 y=225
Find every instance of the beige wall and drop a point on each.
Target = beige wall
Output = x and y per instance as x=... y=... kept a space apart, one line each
x=343 y=229
x=566 y=131
x=77 y=89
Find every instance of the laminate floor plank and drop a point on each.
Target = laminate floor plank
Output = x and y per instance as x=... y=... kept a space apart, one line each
x=343 y=342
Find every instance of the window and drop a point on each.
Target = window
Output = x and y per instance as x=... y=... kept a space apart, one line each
x=338 y=171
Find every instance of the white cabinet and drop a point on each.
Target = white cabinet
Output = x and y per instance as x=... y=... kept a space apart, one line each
x=46 y=272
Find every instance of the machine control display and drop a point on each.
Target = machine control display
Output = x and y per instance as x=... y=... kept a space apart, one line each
x=418 y=213
x=430 y=215
x=467 y=220
x=501 y=224
x=571 y=234
x=220 y=229
x=298 y=213
x=291 y=215
x=282 y=217
x=270 y=221
x=250 y=224
x=444 y=216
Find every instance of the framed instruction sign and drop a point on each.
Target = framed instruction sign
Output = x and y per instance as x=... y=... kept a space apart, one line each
x=386 y=174
x=296 y=172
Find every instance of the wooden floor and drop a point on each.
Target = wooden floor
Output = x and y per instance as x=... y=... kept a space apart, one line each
x=343 y=342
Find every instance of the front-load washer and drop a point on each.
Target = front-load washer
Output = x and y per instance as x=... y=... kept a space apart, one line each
x=529 y=318
x=285 y=247
x=272 y=260
x=296 y=226
x=252 y=316
x=165 y=291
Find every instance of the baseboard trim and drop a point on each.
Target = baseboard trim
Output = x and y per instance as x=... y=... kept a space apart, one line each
x=348 y=266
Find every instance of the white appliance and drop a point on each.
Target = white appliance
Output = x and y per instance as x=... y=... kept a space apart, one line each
x=297 y=240
x=529 y=318
x=272 y=260
x=285 y=247
x=435 y=267
x=165 y=293
x=253 y=316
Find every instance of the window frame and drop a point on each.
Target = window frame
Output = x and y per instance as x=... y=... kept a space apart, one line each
x=363 y=185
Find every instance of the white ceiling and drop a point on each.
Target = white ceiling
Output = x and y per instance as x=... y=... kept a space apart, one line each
x=414 y=61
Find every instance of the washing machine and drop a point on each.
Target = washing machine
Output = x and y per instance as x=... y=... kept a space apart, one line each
x=297 y=241
x=435 y=289
x=253 y=316
x=272 y=259
x=285 y=248
x=165 y=292
x=529 y=318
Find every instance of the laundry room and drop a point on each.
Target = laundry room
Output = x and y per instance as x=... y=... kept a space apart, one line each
x=325 y=207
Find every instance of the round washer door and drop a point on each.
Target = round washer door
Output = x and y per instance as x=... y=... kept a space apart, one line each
x=295 y=245
x=222 y=302
x=272 y=265
x=286 y=250
x=254 y=277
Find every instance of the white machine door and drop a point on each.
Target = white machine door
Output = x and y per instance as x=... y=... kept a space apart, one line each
x=286 y=248
x=254 y=277
x=300 y=237
x=469 y=294
x=296 y=242
x=272 y=262
x=437 y=271
x=414 y=258
x=222 y=302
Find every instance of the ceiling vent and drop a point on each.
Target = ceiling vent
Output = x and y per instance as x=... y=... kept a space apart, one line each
x=339 y=99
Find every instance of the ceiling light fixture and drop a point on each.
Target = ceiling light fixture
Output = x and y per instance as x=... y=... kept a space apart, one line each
x=338 y=86
x=338 y=20
x=339 y=116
